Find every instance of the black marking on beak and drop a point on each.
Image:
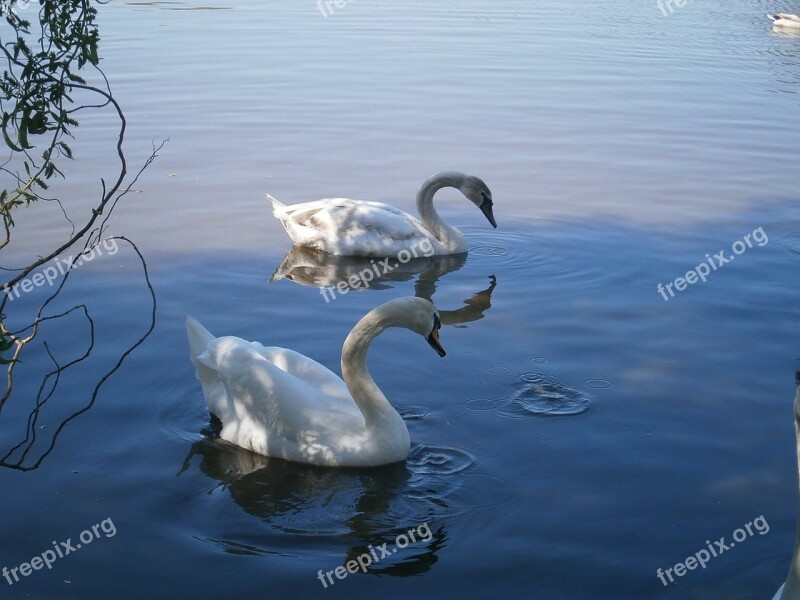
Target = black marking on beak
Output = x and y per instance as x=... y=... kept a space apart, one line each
x=797 y=377
x=486 y=209
x=433 y=337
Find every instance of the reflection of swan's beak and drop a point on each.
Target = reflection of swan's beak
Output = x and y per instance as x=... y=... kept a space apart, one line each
x=797 y=377
x=433 y=338
x=486 y=209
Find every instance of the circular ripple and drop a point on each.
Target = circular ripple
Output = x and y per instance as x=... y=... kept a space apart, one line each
x=539 y=378
x=551 y=399
x=499 y=370
x=598 y=384
x=433 y=460
x=469 y=493
x=539 y=359
x=489 y=251
x=541 y=394
x=412 y=413
x=479 y=404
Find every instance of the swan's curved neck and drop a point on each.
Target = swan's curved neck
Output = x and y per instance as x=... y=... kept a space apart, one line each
x=366 y=393
x=427 y=213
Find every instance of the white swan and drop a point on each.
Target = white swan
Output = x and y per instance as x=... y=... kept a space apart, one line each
x=277 y=402
x=790 y=590
x=785 y=20
x=357 y=228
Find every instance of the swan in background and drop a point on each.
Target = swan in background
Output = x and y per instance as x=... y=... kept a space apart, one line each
x=790 y=590
x=357 y=228
x=277 y=402
x=785 y=20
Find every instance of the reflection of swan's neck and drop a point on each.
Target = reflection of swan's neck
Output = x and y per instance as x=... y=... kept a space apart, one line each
x=366 y=394
x=427 y=213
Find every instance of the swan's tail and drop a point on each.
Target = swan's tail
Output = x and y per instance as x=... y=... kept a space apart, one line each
x=277 y=205
x=199 y=337
x=213 y=389
x=279 y=212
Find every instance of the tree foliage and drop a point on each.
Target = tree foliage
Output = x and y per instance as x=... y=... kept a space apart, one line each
x=41 y=74
x=51 y=72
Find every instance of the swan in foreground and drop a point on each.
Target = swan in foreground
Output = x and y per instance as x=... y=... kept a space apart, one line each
x=785 y=20
x=790 y=590
x=358 y=228
x=277 y=402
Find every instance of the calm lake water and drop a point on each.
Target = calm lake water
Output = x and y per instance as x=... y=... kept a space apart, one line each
x=582 y=432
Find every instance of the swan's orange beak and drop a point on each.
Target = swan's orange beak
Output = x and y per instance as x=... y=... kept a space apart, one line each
x=433 y=338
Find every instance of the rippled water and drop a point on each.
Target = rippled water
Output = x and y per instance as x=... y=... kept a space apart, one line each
x=581 y=433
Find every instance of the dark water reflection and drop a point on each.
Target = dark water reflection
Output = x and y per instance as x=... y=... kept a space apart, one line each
x=350 y=509
x=344 y=513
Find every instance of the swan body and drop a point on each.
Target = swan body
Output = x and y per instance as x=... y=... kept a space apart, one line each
x=348 y=227
x=277 y=402
x=785 y=21
x=790 y=590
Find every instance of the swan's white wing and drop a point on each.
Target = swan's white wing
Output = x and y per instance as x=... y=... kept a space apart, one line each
x=343 y=214
x=265 y=408
x=306 y=369
x=344 y=226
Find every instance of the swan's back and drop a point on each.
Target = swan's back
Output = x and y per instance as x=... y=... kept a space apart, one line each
x=348 y=227
x=275 y=383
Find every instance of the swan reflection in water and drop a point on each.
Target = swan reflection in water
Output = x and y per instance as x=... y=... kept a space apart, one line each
x=340 y=514
x=313 y=268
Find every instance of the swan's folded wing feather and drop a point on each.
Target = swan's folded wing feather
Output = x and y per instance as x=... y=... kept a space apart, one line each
x=351 y=217
x=260 y=396
x=306 y=369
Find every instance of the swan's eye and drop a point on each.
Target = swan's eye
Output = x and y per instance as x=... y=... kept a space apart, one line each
x=486 y=199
